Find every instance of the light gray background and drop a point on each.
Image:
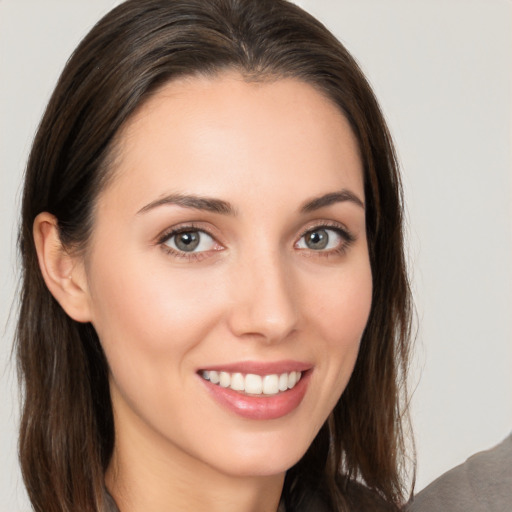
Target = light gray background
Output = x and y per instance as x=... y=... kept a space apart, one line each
x=442 y=70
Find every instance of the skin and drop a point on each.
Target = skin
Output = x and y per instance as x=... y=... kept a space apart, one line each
x=254 y=292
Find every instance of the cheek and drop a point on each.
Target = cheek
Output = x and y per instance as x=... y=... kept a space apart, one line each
x=342 y=306
x=340 y=313
x=146 y=314
x=151 y=323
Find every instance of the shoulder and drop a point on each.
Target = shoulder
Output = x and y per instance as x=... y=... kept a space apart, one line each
x=483 y=483
x=358 y=497
x=363 y=499
x=109 y=505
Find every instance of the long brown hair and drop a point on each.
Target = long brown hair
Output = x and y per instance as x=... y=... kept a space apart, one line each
x=67 y=432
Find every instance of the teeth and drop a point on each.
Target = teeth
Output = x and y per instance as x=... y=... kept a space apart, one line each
x=224 y=379
x=283 y=382
x=253 y=384
x=292 y=380
x=271 y=384
x=237 y=382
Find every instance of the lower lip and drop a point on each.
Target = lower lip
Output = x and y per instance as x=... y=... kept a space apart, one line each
x=261 y=407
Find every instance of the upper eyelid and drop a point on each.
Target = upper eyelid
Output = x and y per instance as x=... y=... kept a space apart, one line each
x=328 y=225
x=183 y=228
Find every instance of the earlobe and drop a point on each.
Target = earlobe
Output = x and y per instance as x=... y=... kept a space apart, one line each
x=62 y=271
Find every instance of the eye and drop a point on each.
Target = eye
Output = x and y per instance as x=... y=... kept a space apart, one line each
x=323 y=239
x=190 y=241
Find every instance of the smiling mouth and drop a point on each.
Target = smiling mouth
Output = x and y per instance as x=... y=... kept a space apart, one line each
x=252 y=384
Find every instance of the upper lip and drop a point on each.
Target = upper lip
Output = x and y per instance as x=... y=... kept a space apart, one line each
x=261 y=367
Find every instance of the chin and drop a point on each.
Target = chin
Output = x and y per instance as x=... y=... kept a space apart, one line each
x=266 y=457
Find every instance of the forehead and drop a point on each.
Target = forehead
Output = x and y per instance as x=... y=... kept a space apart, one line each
x=208 y=131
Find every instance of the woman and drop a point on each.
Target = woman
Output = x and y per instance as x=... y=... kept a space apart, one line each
x=215 y=309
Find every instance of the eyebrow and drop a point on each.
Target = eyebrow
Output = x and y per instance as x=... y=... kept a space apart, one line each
x=189 y=201
x=223 y=207
x=329 y=199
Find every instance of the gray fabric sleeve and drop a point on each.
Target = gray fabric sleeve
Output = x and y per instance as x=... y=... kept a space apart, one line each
x=482 y=484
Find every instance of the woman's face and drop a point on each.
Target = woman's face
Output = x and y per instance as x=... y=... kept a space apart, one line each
x=230 y=245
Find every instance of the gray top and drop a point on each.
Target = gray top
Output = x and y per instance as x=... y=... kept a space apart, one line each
x=482 y=484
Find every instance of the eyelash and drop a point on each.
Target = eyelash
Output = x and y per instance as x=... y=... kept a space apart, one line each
x=347 y=240
x=191 y=256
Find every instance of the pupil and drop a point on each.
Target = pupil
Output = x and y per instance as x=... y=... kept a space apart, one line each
x=187 y=241
x=317 y=239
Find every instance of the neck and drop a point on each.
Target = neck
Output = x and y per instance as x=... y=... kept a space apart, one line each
x=150 y=474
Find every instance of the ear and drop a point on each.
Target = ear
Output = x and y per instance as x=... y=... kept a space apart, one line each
x=63 y=272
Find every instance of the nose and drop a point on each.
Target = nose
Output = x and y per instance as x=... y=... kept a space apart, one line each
x=264 y=302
